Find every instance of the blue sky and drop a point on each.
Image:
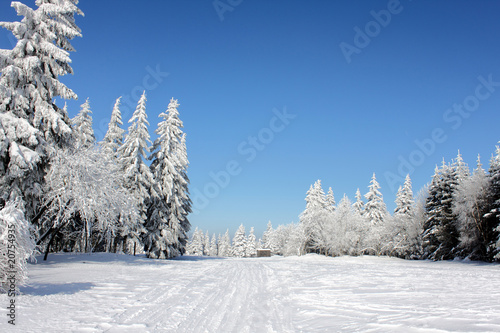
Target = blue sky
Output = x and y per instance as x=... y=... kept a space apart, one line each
x=346 y=119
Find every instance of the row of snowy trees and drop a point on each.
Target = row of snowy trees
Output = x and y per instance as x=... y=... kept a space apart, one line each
x=456 y=215
x=463 y=211
x=355 y=228
x=112 y=200
x=76 y=194
x=201 y=244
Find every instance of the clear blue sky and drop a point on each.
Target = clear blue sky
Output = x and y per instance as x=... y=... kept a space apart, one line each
x=351 y=119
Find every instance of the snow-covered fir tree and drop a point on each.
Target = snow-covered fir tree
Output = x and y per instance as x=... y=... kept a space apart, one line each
x=470 y=206
x=195 y=245
x=359 y=205
x=268 y=239
x=213 y=251
x=266 y=236
x=251 y=249
x=314 y=218
x=375 y=210
x=239 y=242
x=167 y=223
x=492 y=218
x=64 y=12
x=440 y=236
x=30 y=122
x=400 y=233
x=225 y=246
x=83 y=132
x=138 y=177
x=113 y=139
x=330 y=199
x=206 y=244
x=375 y=213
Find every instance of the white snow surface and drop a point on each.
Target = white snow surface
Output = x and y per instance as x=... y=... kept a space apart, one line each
x=120 y=293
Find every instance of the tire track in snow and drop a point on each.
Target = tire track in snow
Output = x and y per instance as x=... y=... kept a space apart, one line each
x=235 y=295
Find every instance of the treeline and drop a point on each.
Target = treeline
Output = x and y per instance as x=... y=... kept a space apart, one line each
x=240 y=246
x=455 y=216
x=74 y=193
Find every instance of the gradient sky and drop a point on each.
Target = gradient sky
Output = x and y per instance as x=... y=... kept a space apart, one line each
x=350 y=118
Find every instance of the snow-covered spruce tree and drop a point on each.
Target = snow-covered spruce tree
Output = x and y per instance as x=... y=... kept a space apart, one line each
x=359 y=205
x=375 y=213
x=29 y=83
x=330 y=199
x=206 y=244
x=64 y=12
x=114 y=136
x=195 y=245
x=225 y=246
x=267 y=236
x=239 y=242
x=138 y=178
x=469 y=206
x=167 y=222
x=251 y=249
x=314 y=218
x=83 y=133
x=16 y=245
x=401 y=237
x=213 y=247
x=492 y=218
x=440 y=236
x=86 y=205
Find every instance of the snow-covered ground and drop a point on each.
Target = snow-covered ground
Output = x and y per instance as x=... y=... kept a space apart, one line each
x=118 y=293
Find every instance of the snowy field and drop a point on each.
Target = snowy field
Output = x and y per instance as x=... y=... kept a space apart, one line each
x=118 y=293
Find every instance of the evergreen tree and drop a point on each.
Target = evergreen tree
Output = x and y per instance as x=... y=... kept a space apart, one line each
x=169 y=209
x=440 y=236
x=206 y=244
x=195 y=245
x=239 y=242
x=30 y=121
x=213 y=247
x=375 y=210
x=225 y=245
x=470 y=206
x=400 y=236
x=375 y=213
x=82 y=127
x=314 y=219
x=267 y=236
x=137 y=176
x=359 y=205
x=330 y=199
x=251 y=250
x=113 y=139
x=492 y=218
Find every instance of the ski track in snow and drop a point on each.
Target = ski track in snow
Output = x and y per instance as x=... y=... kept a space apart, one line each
x=118 y=293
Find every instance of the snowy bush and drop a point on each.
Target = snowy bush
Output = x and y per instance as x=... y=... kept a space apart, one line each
x=17 y=245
